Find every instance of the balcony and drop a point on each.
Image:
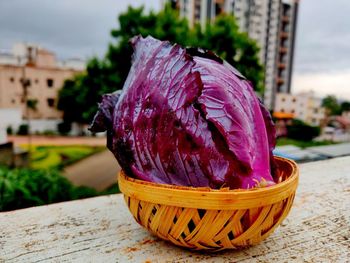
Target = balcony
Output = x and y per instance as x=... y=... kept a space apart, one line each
x=281 y=65
x=284 y=35
x=101 y=229
x=283 y=50
x=279 y=81
x=285 y=19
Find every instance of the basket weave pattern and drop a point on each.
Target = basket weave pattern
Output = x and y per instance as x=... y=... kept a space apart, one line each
x=203 y=219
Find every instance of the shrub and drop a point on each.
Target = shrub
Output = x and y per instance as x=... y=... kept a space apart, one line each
x=48 y=133
x=299 y=130
x=83 y=192
x=113 y=189
x=23 y=129
x=64 y=128
x=49 y=157
x=9 y=130
x=21 y=188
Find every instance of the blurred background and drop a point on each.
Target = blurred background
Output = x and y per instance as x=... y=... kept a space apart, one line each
x=57 y=58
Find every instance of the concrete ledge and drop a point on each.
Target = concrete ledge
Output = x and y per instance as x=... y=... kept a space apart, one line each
x=102 y=230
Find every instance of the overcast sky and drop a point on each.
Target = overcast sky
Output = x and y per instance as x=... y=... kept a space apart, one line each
x=80 y=28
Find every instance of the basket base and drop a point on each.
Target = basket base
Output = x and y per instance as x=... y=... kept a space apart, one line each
x=211 y=230
x=207 y=219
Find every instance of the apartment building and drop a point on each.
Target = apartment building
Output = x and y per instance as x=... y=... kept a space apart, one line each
x=43 y=74
x=272 y=23
x=303 y=106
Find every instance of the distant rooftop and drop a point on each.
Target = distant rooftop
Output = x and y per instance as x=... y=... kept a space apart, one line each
x=27 y=53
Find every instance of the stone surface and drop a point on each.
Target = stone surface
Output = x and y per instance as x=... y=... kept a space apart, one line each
x=102 y=230
x=334 y=150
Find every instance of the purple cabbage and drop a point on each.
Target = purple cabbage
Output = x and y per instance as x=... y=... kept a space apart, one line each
x=185 y=117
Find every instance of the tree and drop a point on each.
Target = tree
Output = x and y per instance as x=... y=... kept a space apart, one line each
x=78 y=97
x=225 y=39
x=345 y=106
x=331 y=104
x=299 y=130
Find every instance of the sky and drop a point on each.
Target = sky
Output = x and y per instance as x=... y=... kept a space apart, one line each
x=81 y=28
x=322 y=53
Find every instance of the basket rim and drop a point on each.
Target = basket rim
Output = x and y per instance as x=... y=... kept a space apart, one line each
x=207 y=198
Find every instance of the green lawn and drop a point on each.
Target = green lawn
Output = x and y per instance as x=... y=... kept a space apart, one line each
x=302 y=144
x=57 y=157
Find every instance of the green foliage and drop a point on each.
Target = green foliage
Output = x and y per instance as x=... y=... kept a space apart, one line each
x=80 y=192
x=333 y=107
x=9 y=130
x=21 y=188
x=113 y=189
x=23 y=129
x=48 y=133
x=299 y=130
x=331 y=104
x=51 y=159
x=78 y=97
x=64 y=128
x=345 y=106
x=302 y=144
x=57 y=157
x=223 y=37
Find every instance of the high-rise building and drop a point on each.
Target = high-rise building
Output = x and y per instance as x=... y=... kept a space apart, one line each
x=272 y=23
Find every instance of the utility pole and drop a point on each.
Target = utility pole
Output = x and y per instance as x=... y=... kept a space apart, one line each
x=25 y=84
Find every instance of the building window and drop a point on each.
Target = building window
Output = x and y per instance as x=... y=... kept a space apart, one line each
x=282 y=110
x=283 y=99
x=51 y=102
x=315 y=110
x=294 y=100
x=284 y=43
x=12 y=79
x=293 y=111
x=26 y=82
x=49 y=83
x=218 y=9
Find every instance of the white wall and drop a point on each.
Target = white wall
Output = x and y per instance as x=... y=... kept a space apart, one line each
x=3 y=135
x=13 y=118
x=44 y=125
x=9 y=117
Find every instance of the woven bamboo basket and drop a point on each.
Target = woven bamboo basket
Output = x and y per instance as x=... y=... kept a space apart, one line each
x=207 y=219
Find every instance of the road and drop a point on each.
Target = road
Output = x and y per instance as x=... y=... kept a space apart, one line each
x=98 y=171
